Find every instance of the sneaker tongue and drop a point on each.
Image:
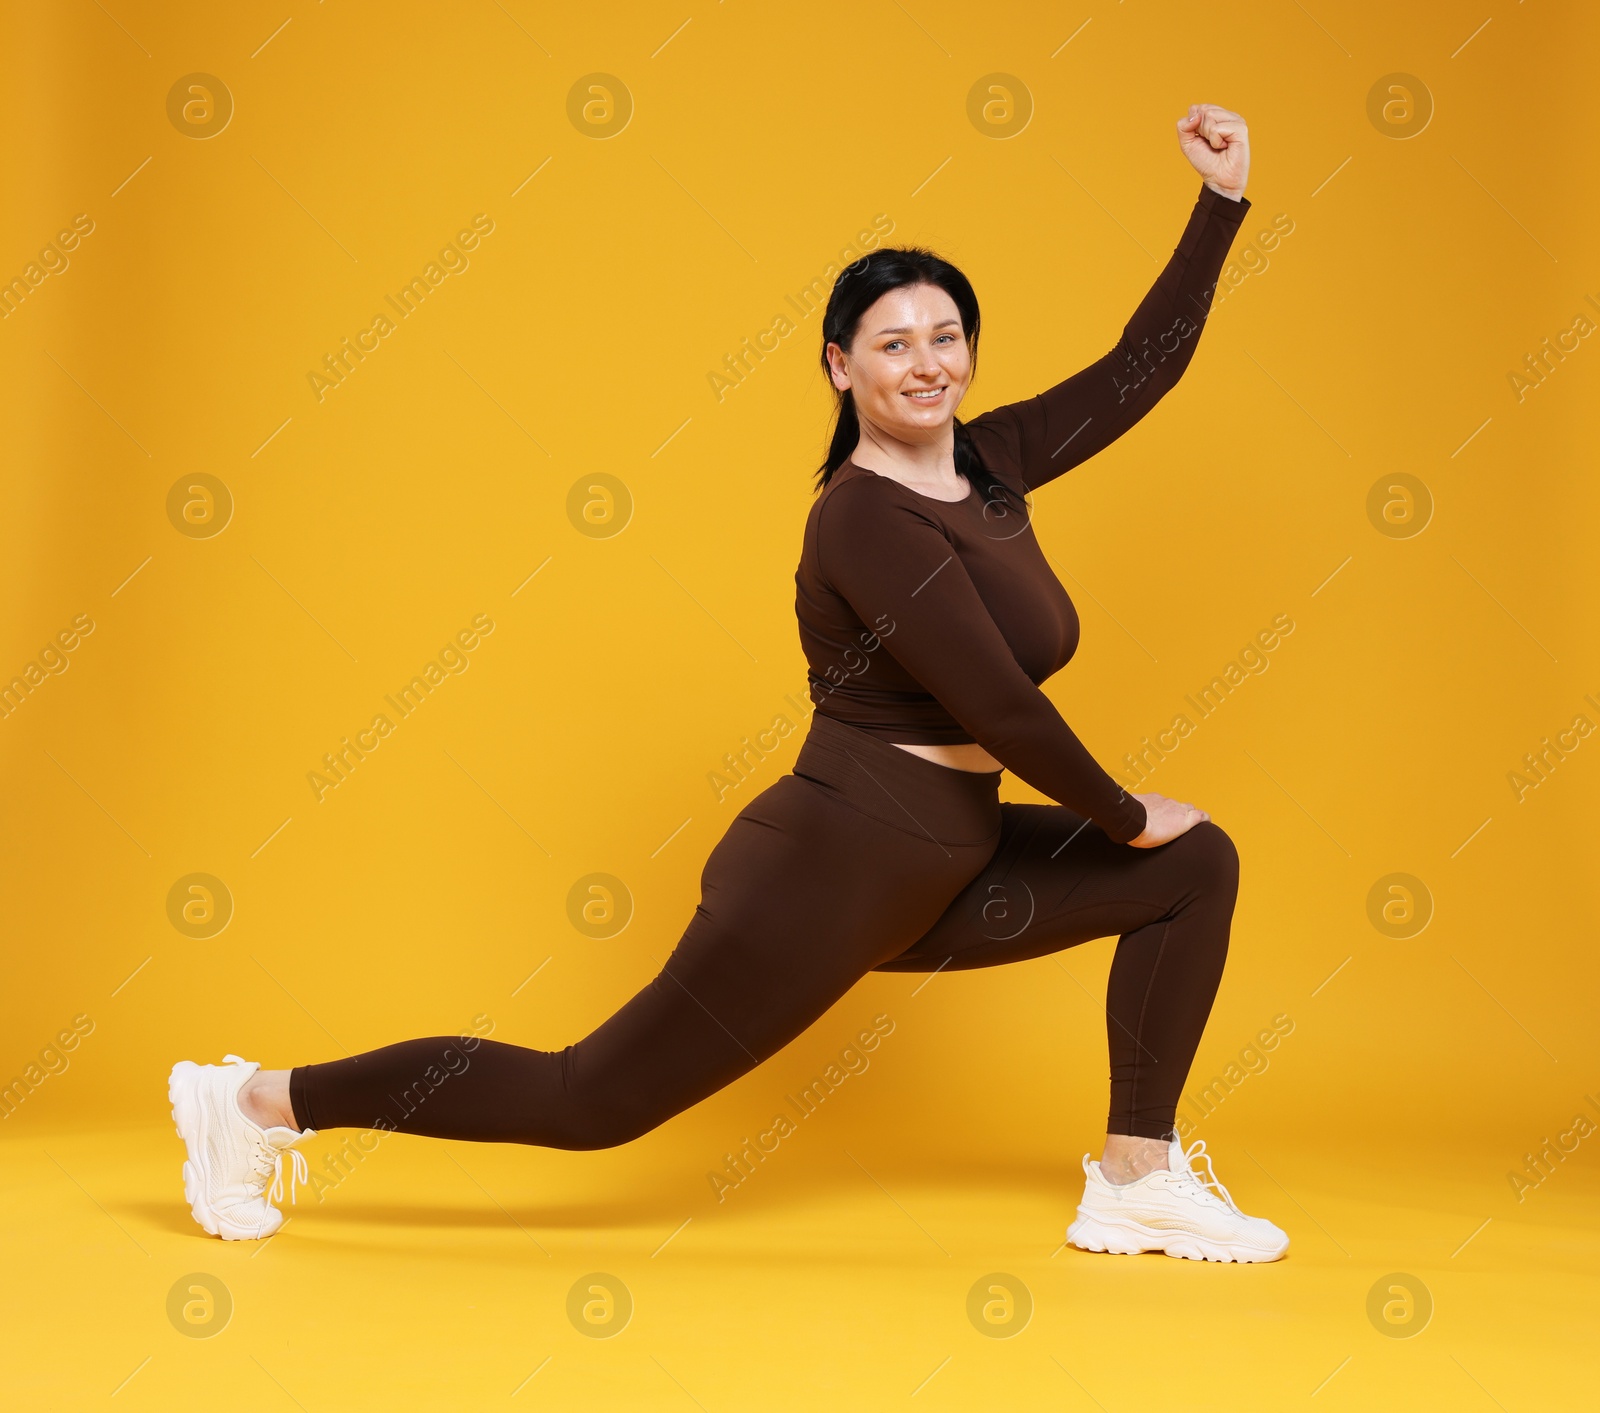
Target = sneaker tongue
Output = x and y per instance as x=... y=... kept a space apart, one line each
x=1175 y=1156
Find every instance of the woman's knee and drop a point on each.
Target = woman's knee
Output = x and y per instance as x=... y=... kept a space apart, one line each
x=613 y=1130
x=1214 y=855
x=584 y=1128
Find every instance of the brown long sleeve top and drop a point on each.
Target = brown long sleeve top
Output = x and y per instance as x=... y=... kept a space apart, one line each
x=934 y=622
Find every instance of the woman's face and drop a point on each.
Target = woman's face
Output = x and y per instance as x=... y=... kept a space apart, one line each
x=908 y=364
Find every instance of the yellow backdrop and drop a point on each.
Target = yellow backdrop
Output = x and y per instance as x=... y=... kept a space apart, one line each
x=411 y=419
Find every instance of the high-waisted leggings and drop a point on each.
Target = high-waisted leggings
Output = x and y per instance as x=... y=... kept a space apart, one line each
x=864 y=858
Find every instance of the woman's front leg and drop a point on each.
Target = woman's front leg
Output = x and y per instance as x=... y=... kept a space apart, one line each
x=1056 y=881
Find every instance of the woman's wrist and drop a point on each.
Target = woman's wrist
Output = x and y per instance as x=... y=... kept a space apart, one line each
x=1134 y=811
x=1223 y=191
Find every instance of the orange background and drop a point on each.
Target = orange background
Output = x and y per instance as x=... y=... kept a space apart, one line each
x=1374 y=342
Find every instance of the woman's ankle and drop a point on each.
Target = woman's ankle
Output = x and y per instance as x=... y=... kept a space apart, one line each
x=264 y=1099
x=1127 y=1157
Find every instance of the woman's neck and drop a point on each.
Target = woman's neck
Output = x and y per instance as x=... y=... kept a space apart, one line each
x=931 y=463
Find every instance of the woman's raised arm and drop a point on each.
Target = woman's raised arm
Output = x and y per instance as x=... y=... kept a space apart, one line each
x=1047 y=435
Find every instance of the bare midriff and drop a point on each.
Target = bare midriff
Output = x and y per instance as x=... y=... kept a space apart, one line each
x=969 y=756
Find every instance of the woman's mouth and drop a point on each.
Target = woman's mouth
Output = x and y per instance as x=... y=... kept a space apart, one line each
x=925 y=394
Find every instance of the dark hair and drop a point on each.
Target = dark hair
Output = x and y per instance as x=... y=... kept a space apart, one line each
x=858 y=287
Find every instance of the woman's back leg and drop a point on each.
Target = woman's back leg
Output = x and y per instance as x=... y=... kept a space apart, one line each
x=799 y=899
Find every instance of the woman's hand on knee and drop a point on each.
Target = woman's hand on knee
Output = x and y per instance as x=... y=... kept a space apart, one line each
x=1166 y=820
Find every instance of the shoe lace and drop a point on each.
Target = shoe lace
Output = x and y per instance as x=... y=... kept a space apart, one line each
x=1208 y=1179
x=268 y=1163
x=268 y=1160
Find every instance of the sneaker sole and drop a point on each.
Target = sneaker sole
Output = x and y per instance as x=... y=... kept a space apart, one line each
x=1130 y=1239
x=188 y=1119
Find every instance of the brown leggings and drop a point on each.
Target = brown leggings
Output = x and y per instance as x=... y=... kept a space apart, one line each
x=865 y=858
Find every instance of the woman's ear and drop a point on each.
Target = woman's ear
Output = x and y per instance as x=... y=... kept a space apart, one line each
x=836 y=368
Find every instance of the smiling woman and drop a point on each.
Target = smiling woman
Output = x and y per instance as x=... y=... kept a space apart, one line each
x=873 y=853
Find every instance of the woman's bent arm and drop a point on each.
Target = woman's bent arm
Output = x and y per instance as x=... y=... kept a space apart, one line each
x=888 y=556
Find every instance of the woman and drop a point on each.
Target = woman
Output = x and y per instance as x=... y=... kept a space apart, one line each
x=928 y=616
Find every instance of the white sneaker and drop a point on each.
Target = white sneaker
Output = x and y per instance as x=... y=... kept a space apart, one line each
x=232 y=1159
x=1173 y=1210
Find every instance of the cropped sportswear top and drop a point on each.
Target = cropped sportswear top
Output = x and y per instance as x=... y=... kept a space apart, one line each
x=933 y=622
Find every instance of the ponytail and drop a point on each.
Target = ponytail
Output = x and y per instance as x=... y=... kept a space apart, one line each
x=990 y=487
x=846 y=434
